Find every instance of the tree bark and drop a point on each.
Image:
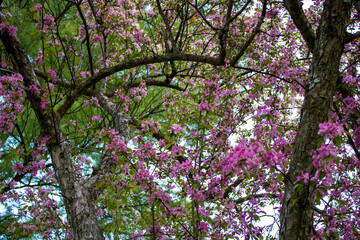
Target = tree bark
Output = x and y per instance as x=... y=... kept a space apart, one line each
x=296 y=216
x=78 y=198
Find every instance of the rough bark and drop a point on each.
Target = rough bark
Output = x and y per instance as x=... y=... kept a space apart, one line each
x=78 y=199
x=297 y=208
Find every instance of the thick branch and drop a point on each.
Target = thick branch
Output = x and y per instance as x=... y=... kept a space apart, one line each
x=352 y=36
x=224 y=32
x=231 y=188
x=252 y=36
x=91 y=81
x=297 y=14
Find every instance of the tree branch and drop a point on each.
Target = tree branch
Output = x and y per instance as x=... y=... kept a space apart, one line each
x=260 y=195
x=350 y=140
x=204 y=18
x=352 y=36
x=230 y=20
x=87 y=37
x=297 y=14
x=175 y=56
x=230 y=188
x=168 y=34
x=252 y=36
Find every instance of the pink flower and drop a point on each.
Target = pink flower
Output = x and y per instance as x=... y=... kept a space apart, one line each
x=203 y=226
x=100 y=212
x=12 y=30
x=44 y=103
x=35 y=154
x=86 y=103
x=19 y=168
x=84 y=74
x=49 y=20
x=38 y=7
x=303 y=176
x=96 y=118
x=357 y=137
x=53 y=75
x=3 y=26
x=330 y=130
x=39 y=59
x=95 y=101
x=97 y=38
x=176 y=129
x=34 y=89
x=3 y=63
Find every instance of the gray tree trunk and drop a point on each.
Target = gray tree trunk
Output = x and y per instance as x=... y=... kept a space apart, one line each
x=78 y=198
x=327 y=46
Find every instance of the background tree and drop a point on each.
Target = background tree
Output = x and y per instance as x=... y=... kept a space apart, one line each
x=179 y=119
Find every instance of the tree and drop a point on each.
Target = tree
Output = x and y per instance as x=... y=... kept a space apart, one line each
x=180 y=119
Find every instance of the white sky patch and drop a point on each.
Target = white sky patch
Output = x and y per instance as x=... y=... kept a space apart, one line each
x=307 y=4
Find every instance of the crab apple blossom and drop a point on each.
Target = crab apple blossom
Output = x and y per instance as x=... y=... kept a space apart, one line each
x=154 y=119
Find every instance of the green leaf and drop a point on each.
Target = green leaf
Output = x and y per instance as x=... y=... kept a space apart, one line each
x=100 y=184
x=298 y=187
x=320 y=141
x=318 y=197
x=337 y=141
x=327 y=159
x=259 y=236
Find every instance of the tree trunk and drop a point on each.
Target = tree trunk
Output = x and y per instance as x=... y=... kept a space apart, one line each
x=78 y=198
x=296 y=217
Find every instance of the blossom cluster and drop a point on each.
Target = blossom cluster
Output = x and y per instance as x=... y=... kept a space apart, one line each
x=12 y=93
x=330 y=130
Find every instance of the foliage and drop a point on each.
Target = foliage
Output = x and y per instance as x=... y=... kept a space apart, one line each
x=177 y=117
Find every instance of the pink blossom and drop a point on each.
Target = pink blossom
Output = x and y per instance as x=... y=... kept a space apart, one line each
x=150 y=125
x=44 y=103
x=330 y=130
x=34 y=89
x=95 y=101
x=96 y=118
x=175 y=128
x=100 y=212
x=186 y=166
x=3 y=63
x=35 y=154
x=84 y=74
x=2 y=197
x=97 y=38
x=19 y=168
x=3 y=25
x=53 y=75
x=12 y=30
x=49 y=21
x=357 y=137
x=38 y=7
x=203 y=226
x=39 y=59
x=86 y=103
x=303 y=176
